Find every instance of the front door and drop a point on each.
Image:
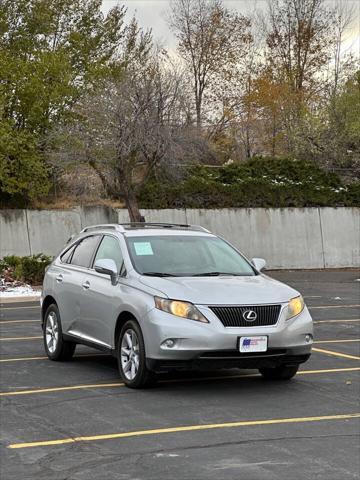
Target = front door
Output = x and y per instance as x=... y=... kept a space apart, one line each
x=100 y=304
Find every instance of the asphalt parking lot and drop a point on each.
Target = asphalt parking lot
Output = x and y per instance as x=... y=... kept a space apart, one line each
x=76 y=420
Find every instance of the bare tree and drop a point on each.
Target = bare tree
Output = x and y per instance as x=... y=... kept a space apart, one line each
x=126 y=129
x=344 y=16
x=300 y=38
x=210 y=38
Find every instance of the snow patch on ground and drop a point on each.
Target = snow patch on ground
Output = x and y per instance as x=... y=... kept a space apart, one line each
x=9 y=290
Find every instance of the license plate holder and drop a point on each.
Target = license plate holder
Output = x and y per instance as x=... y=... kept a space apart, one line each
x=253 y=343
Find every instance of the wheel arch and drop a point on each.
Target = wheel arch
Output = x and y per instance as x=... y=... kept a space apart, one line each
x=123 y=317
x=48 y=300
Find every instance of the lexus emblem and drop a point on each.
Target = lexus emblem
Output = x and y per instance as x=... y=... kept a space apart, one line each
x=249 y=315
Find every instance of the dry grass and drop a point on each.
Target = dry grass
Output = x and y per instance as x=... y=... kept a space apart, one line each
x=66 y=203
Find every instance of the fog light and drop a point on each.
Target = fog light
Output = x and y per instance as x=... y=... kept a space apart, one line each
x=169 y=343
x=308 y=338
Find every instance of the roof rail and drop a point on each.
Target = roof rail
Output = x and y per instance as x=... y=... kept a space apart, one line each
x=122 y=227
x=162 y=225
x=107 y=226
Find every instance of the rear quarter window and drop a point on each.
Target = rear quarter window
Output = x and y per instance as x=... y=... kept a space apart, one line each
x=66 y=257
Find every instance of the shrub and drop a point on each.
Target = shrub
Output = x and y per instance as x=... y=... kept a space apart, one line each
x=29 y=269
x=259 y=182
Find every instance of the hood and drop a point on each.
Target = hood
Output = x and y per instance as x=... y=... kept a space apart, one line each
x=222 y=290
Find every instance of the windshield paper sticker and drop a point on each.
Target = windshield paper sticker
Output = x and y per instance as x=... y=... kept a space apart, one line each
x=143 y=248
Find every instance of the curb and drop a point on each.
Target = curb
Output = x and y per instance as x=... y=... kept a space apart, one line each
x=28 y=298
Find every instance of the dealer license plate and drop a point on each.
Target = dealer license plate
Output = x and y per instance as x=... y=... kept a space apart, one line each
x=253 y=344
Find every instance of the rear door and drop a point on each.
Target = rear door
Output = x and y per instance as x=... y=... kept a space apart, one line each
x=70 y=282
x=100 y=303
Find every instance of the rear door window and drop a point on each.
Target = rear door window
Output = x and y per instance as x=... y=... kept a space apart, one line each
x=84 y=251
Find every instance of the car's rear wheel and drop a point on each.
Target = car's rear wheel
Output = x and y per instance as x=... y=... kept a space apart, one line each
x=55 y=346
x=132 y=358
x=279 y=373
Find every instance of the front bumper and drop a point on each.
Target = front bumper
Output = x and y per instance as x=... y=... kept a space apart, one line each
x=211 y=345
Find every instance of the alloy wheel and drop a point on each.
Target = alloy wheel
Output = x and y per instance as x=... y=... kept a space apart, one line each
x=52 y=332
x=130 y=358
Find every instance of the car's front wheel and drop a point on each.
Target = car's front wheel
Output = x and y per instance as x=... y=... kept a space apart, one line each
x=55 y=346
x=279 y=373
x=131 y=357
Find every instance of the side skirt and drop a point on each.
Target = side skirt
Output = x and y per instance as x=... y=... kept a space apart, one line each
x=89 y=343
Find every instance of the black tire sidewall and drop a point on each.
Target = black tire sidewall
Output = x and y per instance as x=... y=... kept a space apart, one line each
x=143 y=373
x=56 y=354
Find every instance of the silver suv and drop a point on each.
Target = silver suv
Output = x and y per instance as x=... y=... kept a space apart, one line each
x=164 y=296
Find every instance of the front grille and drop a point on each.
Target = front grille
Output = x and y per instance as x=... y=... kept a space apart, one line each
x=233 y=316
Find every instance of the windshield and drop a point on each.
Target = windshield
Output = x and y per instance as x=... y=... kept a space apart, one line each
x=184 y=255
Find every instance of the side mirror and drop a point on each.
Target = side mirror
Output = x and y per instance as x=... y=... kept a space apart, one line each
x=107 y=266
x=259 y=263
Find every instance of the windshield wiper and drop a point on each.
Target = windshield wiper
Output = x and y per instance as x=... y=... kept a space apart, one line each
x=215 y=274
x=158 y=274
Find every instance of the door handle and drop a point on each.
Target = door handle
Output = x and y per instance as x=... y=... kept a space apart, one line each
x=86 y=284
x=59 y=278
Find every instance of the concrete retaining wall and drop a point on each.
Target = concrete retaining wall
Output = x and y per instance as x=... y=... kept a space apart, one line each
x=286 y=238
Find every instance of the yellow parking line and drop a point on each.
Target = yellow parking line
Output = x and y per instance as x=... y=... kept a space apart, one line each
x=23 y=359
x=187 y=428
x=338 y=320
x=348 y=340
x=329 y=370
x=334 y=306
x=315 y=321
x=16 y=308
x=11 y=339
x=19 y=321
x=336 y=354
x=175 y=380
x=60 y=389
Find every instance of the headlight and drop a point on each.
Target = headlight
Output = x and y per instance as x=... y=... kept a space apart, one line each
x=296 y=306
x=180 y=309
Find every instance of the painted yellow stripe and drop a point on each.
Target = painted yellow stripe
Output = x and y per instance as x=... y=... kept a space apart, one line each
x=187 y=428
x=338 y=320
x=60 y=389
x=17 y=308
x=24 y=359
x=12 y=339
x=175 y=380
x=334 y=306
x=19 y=321
x=348 y=340
x=329 y=370
x=336 y=354
x=315 y=321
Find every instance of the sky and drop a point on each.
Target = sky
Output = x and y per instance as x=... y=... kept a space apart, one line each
x=151 y=14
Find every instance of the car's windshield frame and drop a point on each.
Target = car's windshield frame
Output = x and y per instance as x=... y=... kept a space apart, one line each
x=187 y=274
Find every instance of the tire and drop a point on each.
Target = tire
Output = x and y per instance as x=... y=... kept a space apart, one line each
x=131 y=357
x=56 y=347
x=279 y=373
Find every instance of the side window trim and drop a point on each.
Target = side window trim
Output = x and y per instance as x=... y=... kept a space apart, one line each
x=96 y=251
x=73 y=246
x=72 y=253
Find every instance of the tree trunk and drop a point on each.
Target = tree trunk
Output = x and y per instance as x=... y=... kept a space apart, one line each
x=133 y=208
